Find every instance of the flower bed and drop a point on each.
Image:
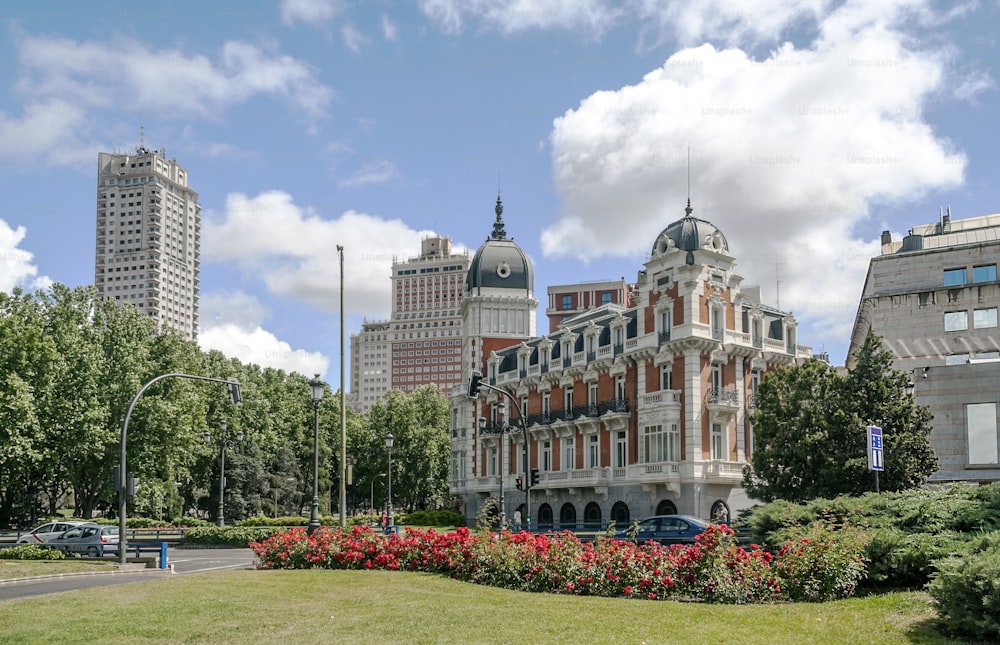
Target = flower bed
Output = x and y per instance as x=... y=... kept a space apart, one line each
x=714 y=569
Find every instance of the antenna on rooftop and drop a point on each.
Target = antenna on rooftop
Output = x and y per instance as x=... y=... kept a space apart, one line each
x=777 y=284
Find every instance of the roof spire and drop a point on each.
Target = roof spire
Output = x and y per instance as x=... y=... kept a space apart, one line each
x=498 y=230
x=688 y=210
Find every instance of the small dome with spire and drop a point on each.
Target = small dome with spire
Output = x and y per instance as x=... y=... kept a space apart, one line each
x=689 y=234
x=499 y=262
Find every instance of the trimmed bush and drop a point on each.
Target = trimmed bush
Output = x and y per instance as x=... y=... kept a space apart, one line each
x=967 y=590
x=433 y=518
x=240 y=536
x=31 y=552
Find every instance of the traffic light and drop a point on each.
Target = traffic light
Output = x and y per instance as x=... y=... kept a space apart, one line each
x=235 y=394
x=474 y=385
x=534 y=477
x=519 y=483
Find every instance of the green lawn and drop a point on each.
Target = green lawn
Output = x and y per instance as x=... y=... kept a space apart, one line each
x=245 y=606
x=26 y=568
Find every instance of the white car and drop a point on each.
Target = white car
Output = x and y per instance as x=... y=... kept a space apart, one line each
x=46 y=532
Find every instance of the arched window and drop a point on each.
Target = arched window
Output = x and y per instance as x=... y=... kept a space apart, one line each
x=592 y=516
x=666 y=507
x=567 y=516
x=545 y=517
x=620 y=515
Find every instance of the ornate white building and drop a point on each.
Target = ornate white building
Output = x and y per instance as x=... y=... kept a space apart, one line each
x=629 y=411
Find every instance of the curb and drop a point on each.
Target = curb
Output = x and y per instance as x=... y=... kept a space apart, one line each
x=128 y=570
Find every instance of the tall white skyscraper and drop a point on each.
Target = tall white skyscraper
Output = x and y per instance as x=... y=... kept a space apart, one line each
x=148 y=237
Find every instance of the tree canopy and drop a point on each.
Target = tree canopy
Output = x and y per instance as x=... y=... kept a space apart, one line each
x=810 y=430
x=71 y=363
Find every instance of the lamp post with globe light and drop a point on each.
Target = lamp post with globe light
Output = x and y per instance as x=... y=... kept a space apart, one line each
x=316 y=388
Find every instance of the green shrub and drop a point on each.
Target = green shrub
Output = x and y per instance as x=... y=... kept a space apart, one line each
x=967 y=590
x=227 y=535
x=433 y=518
x=31 y=552
x=822 y=564
x=901 y=559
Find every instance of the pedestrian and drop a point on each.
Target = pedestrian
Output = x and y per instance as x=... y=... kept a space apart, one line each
x=517 y=519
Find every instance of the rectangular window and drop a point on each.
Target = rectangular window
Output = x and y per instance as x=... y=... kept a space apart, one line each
x=954 y=277
x=718 y=442
x=956 y=320
x=621 y=451
x=986 y=273
x=569 y=453
x=984 y=318
x=667 y=377
x=567 y=302
x=593 y=452
x=606 y=298
x=546 y=463
x=981 y=427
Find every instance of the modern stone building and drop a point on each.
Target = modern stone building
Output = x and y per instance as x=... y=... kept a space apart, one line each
x=630 y=411
x=148 y=237
x=420 y=343
x=933 y=298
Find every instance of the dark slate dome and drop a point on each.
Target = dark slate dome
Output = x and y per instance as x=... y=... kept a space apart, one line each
x=500 y=263
x=689 y=234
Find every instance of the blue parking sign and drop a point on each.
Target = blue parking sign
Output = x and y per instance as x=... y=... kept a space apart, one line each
x=876 y=460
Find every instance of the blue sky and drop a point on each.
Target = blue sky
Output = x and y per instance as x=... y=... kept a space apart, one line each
x=812 y=127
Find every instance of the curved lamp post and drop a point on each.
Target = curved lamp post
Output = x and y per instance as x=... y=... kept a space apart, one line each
x=223 y=440
x=124 y=482
x=388 y=447
x=316 y=388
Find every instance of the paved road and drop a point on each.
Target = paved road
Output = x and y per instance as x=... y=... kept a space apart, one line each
x=185 y=562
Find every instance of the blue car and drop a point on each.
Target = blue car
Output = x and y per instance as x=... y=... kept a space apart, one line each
x=665 y=529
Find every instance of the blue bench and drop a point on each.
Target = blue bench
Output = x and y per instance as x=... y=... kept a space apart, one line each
x=150 y=547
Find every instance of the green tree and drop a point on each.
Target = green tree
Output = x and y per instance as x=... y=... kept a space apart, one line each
x=809 y=430
x=419 y=423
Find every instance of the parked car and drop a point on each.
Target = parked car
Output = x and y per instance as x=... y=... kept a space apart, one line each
x=90 y=539
x=665 y=529
x=46 y=532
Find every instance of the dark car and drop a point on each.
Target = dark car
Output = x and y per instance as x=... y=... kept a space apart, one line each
x=665 y=529
x=89 y=539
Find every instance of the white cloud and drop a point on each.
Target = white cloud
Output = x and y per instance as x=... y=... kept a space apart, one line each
x=510 y=16
x=310 y=11
x=353 y=38
x=127 y=74
x=389 y=30
x=17 y=268
x=292 y=250
x=231 y=323
x=373 y=172
x=46 y=129
x=788 y=155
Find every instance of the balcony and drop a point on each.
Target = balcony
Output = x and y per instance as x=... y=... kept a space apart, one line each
x=664 y=336
x=723 y=472
x=589 y=410
x=722 y=399
x=614 y=406
x=660 y=399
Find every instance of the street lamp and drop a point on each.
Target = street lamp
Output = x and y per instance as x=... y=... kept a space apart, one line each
x=388 y=447
x=316 y=387
x=223 y=438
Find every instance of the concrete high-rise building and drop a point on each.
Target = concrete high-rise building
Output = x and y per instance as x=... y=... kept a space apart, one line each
x=148 y=237
x=370 y=364
x=933 y=299
x=424 y=329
